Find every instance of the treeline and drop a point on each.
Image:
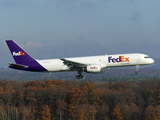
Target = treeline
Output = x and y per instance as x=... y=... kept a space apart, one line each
x=79 y=100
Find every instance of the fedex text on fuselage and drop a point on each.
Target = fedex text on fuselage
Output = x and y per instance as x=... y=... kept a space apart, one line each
x=119 y=59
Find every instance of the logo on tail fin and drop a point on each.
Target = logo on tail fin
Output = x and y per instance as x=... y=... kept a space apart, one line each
x=20 y=53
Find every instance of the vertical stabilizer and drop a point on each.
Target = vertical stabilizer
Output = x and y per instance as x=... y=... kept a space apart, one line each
x=20 y=56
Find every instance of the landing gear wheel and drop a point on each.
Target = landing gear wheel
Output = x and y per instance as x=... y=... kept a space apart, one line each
x=83 y=77
x=79 y=77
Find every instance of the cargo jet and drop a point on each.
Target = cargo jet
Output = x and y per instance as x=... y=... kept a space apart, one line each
x=90 y=64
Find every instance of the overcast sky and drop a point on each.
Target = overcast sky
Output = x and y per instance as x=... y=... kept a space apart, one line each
x=70 y=28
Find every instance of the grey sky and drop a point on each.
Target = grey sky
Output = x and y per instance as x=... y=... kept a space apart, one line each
x=67 y=28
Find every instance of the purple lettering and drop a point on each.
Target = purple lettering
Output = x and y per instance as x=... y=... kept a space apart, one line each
x=110 y=59
x=114 y=60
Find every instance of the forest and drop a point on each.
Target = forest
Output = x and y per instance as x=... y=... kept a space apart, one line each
x=80 y=100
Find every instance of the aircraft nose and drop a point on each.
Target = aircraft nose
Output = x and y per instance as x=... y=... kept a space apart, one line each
x=151 y=61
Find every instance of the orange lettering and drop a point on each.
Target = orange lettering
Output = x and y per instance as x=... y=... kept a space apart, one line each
x=122 y=59
x=127 y=59
x=22 y=53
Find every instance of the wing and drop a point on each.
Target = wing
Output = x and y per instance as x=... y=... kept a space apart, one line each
x=72 y=64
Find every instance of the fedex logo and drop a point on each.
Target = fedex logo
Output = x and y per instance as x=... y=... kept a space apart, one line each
x=20 y=53
x=94 y=67
x=119 y=59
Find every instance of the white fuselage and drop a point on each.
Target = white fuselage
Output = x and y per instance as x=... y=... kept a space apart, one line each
x=118 y=60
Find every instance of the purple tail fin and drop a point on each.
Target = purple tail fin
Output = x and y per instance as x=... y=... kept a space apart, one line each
x=19 y=55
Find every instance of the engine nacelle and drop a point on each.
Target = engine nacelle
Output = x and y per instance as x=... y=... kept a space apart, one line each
x=94 y=69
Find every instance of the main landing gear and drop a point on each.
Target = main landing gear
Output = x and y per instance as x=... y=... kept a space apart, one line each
x=80 y=76
x=137 y=68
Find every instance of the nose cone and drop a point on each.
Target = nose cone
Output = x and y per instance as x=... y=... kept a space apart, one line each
x=151 y=61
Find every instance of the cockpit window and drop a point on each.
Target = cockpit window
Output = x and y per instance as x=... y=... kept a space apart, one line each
x=146 y=57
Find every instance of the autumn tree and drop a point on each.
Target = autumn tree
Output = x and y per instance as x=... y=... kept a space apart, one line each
x=152 y=113
x=75 y=97
x=45 y=113
x=116 y=114
x=92 y=94
x=57 y=92
x=3 y=114
x=61 y=107
x=93 y=113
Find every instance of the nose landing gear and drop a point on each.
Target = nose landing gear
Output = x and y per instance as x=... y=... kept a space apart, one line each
x=137 y=69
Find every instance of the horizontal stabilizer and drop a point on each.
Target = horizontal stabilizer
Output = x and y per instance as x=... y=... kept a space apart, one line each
x=17 y=65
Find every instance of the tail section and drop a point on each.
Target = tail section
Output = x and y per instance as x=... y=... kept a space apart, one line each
x=20 y=56
x=23 y=60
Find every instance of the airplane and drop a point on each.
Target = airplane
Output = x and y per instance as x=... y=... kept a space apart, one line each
x=88 y=64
